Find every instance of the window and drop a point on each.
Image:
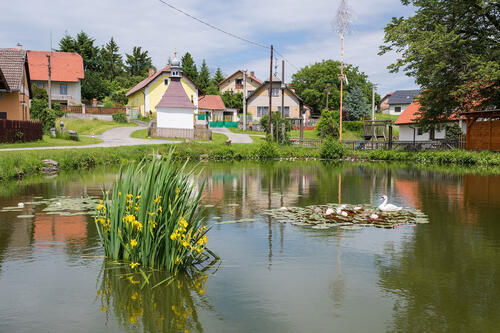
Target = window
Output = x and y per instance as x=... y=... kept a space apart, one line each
x=262 y=110
x=432 y=134
x=63 y=89
x=166 y=82
x=287 y=111
x=3 y=115
x=40 y=84
x=420 y=131
x=250 y=92
x=275 y=91
x=397 y=109
x=238 y=81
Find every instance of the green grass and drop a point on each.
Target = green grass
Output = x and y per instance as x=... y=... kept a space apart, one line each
x=235 y=130
x=88 y=127
x=258 y=138
x=383 y=116
x=47 y=141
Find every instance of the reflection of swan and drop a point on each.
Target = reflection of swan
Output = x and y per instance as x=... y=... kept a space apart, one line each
x=388 y=207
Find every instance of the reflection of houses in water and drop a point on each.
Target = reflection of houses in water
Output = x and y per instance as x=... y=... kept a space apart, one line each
x=50 y=229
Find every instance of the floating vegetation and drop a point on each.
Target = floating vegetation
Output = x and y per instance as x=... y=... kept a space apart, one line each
x=153 y=218
x=60 y=205
x=27 y=216
x=347 y=217
x=236 y=221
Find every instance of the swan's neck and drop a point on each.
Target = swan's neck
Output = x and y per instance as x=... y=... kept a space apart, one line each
x=385 y=202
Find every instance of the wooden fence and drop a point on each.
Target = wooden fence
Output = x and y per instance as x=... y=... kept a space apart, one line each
x=396 y=145
x=92 y=109
x=20 y=131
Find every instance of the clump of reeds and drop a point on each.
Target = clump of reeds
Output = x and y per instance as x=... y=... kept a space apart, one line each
x=152 y=217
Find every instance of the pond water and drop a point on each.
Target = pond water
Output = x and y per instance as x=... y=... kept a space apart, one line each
x=273 y=277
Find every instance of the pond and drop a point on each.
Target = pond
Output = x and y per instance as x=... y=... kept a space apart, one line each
x=273 y=277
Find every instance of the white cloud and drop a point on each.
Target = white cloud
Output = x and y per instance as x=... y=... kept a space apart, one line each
x=300 y=29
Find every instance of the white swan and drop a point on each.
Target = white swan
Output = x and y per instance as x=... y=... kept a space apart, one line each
x=20 y=205
x=385 y=207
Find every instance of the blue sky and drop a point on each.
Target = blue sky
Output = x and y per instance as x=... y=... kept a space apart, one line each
x=301 y=30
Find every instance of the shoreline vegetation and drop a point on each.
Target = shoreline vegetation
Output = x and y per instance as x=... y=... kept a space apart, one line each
x=17 y=164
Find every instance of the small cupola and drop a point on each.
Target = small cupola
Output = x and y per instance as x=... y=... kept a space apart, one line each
x=175 y=67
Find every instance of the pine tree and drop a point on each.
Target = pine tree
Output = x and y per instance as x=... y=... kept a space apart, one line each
x=356 y=104
x=204 y=76
x=68 y=44
x=88 y=51
x=138 y=63
x=189 y=67
x=218 y=77
x=112 y=60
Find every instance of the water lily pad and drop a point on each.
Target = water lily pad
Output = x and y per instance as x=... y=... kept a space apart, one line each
x=233 y=205
x=350 y=227
x=209 y=206
x=27 y=216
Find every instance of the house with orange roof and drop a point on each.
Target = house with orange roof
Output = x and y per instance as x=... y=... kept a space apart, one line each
x=410 y=131
x=234 y=82
x=66 y=75
x=15 y=85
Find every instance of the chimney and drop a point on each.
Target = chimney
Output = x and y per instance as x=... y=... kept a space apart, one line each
x=19 y=46
x=252 y=73
x=151 y=71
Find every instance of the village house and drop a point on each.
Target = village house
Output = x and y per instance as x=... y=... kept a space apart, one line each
x=383 y=106
x=399 y=100
x=234 y=83
x=15 y=85
x=410 y=131
x=211 y=108
x=145 y=96
x=258 y=101
x=66 y=75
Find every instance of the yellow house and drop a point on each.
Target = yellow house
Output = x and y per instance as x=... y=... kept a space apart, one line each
x=145 y=96
x=234 y=83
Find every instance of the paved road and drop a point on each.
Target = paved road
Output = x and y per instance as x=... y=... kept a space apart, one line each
x=119 y=136
x=234 y=137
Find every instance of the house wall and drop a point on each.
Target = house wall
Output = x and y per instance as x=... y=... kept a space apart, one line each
x=180 y=118
x=148 y=98
x=384 y=105
x=231 y=84
x=392 y=108
x=262 y=99
x=406 y=134
x=74 y=91
x=16 y=104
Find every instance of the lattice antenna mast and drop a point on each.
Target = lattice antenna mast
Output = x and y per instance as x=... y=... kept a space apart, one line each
x=342 y=27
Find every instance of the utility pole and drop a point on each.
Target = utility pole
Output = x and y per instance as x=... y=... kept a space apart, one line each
x=341 y=82
x=327 y=95
x=244 y=100
x=270 y=92
x=50 y=92
x=373 y=101
x=283 y=87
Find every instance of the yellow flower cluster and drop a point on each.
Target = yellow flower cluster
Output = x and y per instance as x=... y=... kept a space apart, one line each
x=132 y=220
x=187 y=240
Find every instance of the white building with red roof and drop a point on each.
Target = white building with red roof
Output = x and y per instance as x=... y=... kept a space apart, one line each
x=66 y=75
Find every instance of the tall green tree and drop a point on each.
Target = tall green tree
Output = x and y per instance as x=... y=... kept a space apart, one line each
x=203 y=80
x=232 y=100
x=84 y=46
x=355 y=103
x=68 y=44
x=112 y=60
x=311 y=83
x=452 y=49
x=189 y=67
x=218 y=77
x=138 y=63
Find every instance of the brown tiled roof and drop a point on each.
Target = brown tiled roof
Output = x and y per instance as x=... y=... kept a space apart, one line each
x=211 y=102
x=175 y=96
x=64 y=66
x=240 y=71
x=12 y=65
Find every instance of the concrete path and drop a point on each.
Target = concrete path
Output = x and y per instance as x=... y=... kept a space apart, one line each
x=234 y=137
x=116 y=137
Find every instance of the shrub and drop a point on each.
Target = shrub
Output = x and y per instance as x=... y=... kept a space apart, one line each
x=152 y=217
x=267 y=151
x=332 y=150
x=38 y=92
x=120 y=117
x=453 y=131
x=328 y=123
x=278 y=122
x=354 y=126
x=39 y=110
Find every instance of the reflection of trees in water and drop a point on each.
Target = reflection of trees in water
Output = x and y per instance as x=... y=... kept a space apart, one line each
x=446 y=275
x=170 y=307
x=337 y=285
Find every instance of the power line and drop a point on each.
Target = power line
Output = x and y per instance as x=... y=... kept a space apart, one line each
x=226 y=32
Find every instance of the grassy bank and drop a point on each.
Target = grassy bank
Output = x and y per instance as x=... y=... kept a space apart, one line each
x=29 y=162
x=47 y=141
x=88 y=127
x=143 y=134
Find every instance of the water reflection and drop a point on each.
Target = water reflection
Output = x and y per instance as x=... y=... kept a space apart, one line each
x=164 y=305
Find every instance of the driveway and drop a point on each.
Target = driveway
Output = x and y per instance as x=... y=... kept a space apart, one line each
x=234 y=137
x=116 y=137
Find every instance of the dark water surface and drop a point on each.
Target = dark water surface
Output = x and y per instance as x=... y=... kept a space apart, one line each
x=274 y=277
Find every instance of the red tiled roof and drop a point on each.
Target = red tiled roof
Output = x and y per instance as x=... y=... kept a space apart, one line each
x=211 y=102
x=12 y=65
x=410 y=116
x=175 y=97
x=240 y=71
x=65 y=66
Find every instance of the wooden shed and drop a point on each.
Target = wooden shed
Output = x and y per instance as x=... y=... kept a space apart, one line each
x=483 y=130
